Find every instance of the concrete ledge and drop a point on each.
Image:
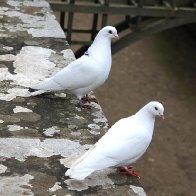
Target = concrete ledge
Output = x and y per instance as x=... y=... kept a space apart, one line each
x=40 y=136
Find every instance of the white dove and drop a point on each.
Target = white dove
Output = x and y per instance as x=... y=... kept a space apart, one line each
x=85 y=73
x=124 y=143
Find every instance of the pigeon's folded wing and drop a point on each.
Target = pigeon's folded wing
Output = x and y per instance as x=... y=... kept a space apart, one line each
x=80 y=73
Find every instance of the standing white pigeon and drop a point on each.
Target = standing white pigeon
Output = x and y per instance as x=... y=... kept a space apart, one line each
x=85 y=73
x=124 y=143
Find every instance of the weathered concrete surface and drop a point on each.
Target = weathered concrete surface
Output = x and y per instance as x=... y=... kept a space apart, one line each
x=40 y=136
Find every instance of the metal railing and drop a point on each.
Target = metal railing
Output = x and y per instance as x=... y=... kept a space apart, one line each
x=141 y=18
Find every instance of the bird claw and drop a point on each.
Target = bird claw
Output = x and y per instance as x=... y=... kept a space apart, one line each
x=128 y=171
x=87 y=99
x=83 y=106
x=133 y=173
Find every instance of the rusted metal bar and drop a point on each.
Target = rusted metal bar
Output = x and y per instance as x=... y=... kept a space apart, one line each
x=156 y=27
x=62 y=18
x=105 y=15
x=79 y=30
x=139 y=18
x=94 y=25
x=156 y=11
x=139 y=15
x=70 y=23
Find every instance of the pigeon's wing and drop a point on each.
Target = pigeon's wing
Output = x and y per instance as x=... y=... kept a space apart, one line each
x=119 y=145
x=92 y=160
x=78 y=74
x=127 y=139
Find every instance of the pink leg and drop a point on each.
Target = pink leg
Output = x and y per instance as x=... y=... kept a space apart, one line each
x=83 y=106
x=128 y=170
x=88 y=99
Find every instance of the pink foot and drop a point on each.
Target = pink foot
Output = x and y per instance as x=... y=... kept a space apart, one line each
x=88 y=99
x=83 y=106
x=129 y=171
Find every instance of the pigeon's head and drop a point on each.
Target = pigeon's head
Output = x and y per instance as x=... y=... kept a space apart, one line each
x=109 y=31
x=156 y=108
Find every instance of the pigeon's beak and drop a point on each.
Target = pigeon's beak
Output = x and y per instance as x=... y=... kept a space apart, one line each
x=116 y=37
x=162 y=116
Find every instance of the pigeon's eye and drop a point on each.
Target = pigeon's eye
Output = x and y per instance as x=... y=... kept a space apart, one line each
x=155 y=108
x=110 y=31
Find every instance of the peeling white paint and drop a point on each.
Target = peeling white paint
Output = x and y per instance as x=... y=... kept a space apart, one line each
x=94 y=132
x=74 y=133
x=16 y=185
x=72 y=126
x=17 y=147
x=40 y=151
x=36 y=25
x=98 y=178
x=51 y=131
x=3 y=34
x=64 y=147
x=21 y=109
x=94 y=126
x=31 y=65
x=63 y=95
x=13 y=3
x=55 y=187
x=1 y=121
x=75 y=101
x=50 y=27
x=3 y=9
x=68 y=54
x=20 y=148
x=79 y=117
x=100 y=118
x=8 y=48
x=67 y=162
x=36 y=3
x=77 y=108
x=76 y=185
x=3 y=168
x=139 y=191
x=5 y=74
x=19 y=92
x=33 y=62
x=13 y=93
x=7 y=57
x=14 y=127
x=16 y=78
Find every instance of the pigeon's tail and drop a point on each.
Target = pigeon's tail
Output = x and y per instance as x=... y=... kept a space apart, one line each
x=78 y=174
x=31 y=90
x=35 y=92
x=47 y=85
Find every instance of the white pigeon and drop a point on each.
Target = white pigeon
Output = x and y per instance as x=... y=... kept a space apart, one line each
x=124 y=143
x=85 y=73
